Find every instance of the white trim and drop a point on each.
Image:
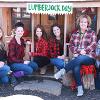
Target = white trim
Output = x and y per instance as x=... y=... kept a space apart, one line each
x=44 y=0
x=75 y=4
x=32 y=45
x=65 y=32
x=86 y=4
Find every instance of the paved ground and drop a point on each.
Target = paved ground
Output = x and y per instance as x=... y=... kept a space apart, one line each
x=66 y=94
x=21 y=97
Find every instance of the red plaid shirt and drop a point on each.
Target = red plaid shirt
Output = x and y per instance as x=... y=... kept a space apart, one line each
x=55 y=48
x=41 y=48
x=16 y=51
x=88 y=42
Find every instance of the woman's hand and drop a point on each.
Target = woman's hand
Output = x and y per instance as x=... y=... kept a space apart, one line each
x=1 y=64
x=83 y=52
x=98 y=57
x=29 y=53
x=75 y=55
x=26 y=62
x=28 y=42
x=61 y=57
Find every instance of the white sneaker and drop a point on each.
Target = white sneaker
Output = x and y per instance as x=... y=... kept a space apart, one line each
x=59 y=73
x=55 y=69
x=80 y=91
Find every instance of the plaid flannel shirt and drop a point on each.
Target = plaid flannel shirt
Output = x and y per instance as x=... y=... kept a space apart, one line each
x=88 y=42
x=41 y=48
x=16 y=51
x=55 y=48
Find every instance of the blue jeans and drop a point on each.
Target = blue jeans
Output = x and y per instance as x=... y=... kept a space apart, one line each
x=75 y=66
x=3 y=74
x=26 y=68
x=59 y=63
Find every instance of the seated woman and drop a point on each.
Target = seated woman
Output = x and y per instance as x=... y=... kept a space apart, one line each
x=56 y=46
x=82 y=45
x=16 y=53
x=98 y=51
x=4 y=69
x=97 y=80
x=40 y=54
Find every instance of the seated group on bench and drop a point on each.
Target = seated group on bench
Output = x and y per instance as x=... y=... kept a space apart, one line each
x=17 y=66
x=82 y=45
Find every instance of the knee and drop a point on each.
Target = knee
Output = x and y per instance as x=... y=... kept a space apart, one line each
x=57 y=62
x=5 y=79
x=76 y=69
x=7 y=68
x=29 y=71
x=33 y=65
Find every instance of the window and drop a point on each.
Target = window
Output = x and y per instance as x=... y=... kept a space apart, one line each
x=20 y=15
x=52 y=17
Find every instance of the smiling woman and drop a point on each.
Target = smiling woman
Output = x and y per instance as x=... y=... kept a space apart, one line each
x=40 y=54
x=92 y=12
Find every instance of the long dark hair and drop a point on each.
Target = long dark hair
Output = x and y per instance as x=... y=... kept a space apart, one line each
x=2 y=38
x=98 y=35
x=52 y=34
x=44 y=35
x=54 y=25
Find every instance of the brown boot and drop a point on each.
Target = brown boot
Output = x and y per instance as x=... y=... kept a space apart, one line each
x=43 y=70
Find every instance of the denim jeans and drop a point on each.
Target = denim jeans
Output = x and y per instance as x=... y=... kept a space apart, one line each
x=97 y=53
x=75 y=65
x=26 y=68
x=59 y=63
x=3 y=74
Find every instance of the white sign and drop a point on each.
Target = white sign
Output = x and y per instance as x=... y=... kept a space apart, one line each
x=50 y=8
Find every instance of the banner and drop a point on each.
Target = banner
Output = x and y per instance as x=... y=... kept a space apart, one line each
x=50 y=8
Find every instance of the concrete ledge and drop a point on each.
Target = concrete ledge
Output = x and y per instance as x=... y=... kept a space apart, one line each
x=48 y=86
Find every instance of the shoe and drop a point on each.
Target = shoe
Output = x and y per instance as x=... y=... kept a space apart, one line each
x=43 y=70
x=10 y=72
x=55 y=69
x=80 y=91
x=13 y=81
x=59 y=73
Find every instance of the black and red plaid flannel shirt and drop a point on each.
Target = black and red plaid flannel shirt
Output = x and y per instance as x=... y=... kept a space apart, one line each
x=16 y=51
x=41 y=48
x=55 y=48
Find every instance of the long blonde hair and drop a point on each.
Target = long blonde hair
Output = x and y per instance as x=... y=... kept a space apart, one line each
x=81 y=17
x=2 y=38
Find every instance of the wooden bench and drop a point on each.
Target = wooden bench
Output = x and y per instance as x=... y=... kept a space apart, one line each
x=88 y=73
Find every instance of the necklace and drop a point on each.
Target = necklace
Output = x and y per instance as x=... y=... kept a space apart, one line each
x=81 y=35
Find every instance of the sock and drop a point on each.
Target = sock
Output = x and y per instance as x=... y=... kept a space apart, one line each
x=18 y=74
